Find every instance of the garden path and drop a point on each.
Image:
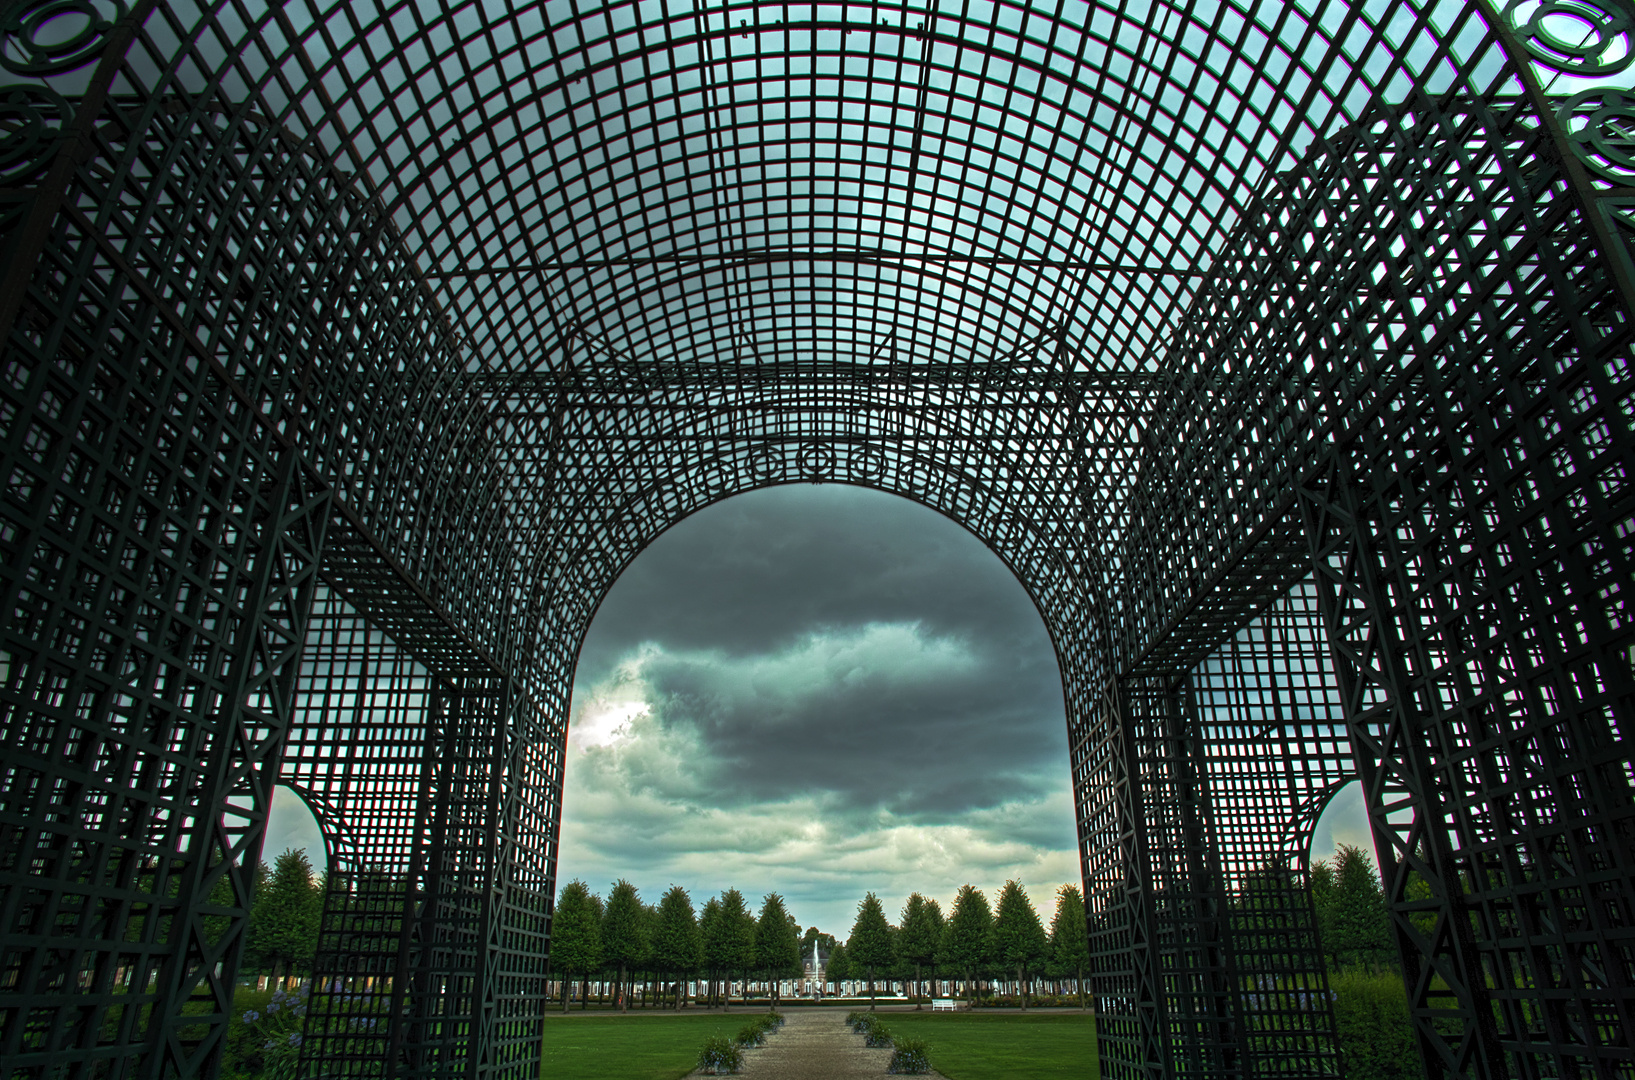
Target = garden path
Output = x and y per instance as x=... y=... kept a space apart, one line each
x=816 y=1044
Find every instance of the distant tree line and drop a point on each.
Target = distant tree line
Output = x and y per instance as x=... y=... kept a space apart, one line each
x=1352 y=921
x=624 y=943
x=976 y=942
x=286 y=908
x=621 y=942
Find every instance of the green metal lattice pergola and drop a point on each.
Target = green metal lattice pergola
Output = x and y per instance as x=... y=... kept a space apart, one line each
x=1282 y=349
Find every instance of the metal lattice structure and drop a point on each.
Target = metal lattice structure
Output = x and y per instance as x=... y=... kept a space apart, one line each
x=1282 y=349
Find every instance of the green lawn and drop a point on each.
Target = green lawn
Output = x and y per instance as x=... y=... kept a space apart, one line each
x=1004 y=1046
x=964 y=1046
x=658 y=1046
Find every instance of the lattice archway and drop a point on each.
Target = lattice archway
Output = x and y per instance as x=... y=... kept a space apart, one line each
x=345 y=336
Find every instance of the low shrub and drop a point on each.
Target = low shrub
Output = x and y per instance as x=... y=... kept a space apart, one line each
x=755 y=1032
x=1376 y=1035
x=719 y=1056
x=871 y=1027
x=910 y=1058
x=264 y=1034
x=1035 y=1001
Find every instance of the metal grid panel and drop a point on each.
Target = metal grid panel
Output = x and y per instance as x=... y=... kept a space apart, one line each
x=1133 y=290
x=1271 y=730
x=160 y=563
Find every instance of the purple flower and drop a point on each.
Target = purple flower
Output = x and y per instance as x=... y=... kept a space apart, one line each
x=251 y=1016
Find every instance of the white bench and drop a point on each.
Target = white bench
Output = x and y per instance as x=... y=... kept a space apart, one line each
x=944 y=1005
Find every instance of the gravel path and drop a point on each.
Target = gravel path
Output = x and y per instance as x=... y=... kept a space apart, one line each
x=815 y=1044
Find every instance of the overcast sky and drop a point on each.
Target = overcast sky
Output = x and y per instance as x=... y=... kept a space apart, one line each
x=820 y=691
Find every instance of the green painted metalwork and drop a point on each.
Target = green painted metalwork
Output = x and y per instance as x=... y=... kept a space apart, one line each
x=1283 y=350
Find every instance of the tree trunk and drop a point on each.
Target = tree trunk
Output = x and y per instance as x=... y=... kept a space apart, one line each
x=1079 y=981
x=565 y=991
x=1021 y=988
x=871 y=989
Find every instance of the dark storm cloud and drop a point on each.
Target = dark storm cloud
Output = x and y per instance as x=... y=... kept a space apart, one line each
x=880 y=717
x=837 y=642
x=758 y=572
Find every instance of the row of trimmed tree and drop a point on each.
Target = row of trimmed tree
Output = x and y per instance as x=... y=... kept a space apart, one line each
x=974 y=942
x=669 y=943
x=622 y=937
x=627 y=941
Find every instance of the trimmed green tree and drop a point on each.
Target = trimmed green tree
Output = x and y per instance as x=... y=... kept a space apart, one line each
x=710 y=940
x=839 y=968
x=677 y=947
x=825 y=942
x=576 y=935
x=966 y=936
x=738 y=940
x=1322 y=901
x=777 y=943
x=918 y=938
x=286 y=914
x=1019 y=940
x=1361 y=927
x=869 y=945
x=623 y=938
x=1070 y=936
x=647 y=966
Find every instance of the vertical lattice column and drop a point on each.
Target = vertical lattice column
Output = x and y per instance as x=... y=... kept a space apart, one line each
x=1132 y=1026
x=530 y=805
x=1188 y=902
x=1224 y=772
x=1265 y=711
x=160 y=552
x=439 y=798
x=358 y=754
x=1473 y=559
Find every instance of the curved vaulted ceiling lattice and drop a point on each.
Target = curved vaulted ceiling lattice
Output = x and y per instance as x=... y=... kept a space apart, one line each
x=353 y=349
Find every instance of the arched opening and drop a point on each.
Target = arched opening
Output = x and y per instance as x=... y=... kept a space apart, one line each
x=1343 y=820
x=1182 y=302
x=292 y=826
x=819 y=690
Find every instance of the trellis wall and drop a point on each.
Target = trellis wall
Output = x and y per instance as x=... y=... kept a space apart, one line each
x=1282 y=316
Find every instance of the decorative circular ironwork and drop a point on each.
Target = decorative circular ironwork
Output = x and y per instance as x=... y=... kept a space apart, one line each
x=50 y=37
x=815 y=461
x=1601 y=124
x=32 y=119
x=865 y=464
x=1577 y=37
x=766 y=463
